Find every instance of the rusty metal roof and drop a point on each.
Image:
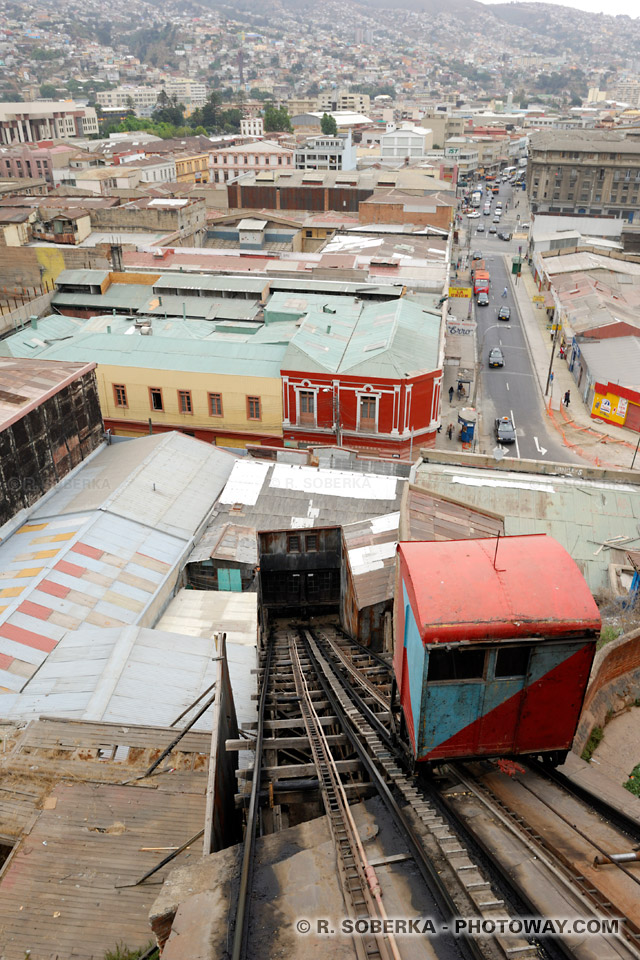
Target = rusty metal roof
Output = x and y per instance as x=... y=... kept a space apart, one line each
x=75 y=861
x=371 y=550
x=431 y=516
x=26 y=384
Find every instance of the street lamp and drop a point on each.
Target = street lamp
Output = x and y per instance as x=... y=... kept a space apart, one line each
x=336 y=410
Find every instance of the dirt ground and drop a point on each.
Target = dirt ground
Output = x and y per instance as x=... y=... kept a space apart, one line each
x=619 y=750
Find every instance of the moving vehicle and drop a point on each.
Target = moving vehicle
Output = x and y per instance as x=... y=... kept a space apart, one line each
x=480 y=228
x=496 y=357
x=487 y=209
x=504 y=236
x=477 y=255
x=494 y=643
x=505 y=430
x=476 y=197
x=496 y=217
x=504 y=313
x=493 y=228
x=473 y=215
x=481 y=281
x=482 y=299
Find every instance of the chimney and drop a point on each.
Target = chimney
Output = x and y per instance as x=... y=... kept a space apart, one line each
x=328 y=328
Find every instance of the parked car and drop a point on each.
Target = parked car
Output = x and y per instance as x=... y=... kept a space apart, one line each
x=483 y=299
x=496 y=357
x=493 y=228
x=504 y=236
x=504 y=313
x=480 y=228
x=505 y=430
x=525 y=226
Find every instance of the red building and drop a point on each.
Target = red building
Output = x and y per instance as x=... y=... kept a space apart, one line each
x=368 y=378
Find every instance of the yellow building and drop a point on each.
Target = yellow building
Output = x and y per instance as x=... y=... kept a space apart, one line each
x=192 y=168
x=167 y=374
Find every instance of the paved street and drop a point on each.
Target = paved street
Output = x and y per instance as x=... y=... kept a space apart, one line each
x=511 y=390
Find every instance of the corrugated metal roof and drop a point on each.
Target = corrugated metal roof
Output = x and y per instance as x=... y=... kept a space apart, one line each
x=78 y=859
x=390 y=339
x=99 y=549
x=614 y=360
x=25 y=384
x=122 y=675
x=173 y=348
x=94 y=278
x=428 y=516
x=127 y=296
x=371 y=551
x=580 y=513
x=184 y=281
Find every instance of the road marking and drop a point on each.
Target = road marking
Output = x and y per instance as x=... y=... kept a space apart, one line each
x=541 y=450
x=516 y=433
x=507 y=386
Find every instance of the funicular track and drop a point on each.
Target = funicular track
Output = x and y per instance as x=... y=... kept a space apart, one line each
x=332 y=720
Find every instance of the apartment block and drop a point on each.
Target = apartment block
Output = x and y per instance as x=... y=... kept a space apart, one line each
x=231 y=162
x=140 y=99
x=46 y=120
x=326 y=153
x=586 y=172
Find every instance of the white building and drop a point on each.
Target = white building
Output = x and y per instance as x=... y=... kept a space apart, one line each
x=140 y=99
x=405 y=142
x=191 y=93
x=45 y=120
x=232 y=162
x=343 y=100
x=326 y=153
x=252 y=127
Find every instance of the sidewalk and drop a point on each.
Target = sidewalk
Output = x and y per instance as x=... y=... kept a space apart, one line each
x=465 y=349
x=596 y=442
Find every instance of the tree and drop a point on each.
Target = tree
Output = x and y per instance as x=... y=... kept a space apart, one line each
x=48 y=91
x=328 y=125
x=276 y=119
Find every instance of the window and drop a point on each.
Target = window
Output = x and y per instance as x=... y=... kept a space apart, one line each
x=311 y=543
x=215 y=404
x=455 y=664
x=253 y=408
x=120 y=395
x=155 y=398
x=368 y=409
x=307 y=406
x=512 y=662
x=184 y=401
x=308 y=233
x=293 y=544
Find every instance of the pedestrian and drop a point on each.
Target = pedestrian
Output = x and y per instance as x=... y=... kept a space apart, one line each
x=450 y=431
x=562 y=353
x=567 y=398
x=504 y=293
x=450 y=394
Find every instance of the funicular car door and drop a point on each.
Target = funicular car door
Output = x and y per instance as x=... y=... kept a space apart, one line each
x=507 y=669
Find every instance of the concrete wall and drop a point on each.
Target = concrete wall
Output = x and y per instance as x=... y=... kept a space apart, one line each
x=40 y=307
x=613 y=687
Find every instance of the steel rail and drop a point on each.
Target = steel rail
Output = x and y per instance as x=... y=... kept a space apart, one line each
x=445 y=903
x=242 y=913
x=361 y=889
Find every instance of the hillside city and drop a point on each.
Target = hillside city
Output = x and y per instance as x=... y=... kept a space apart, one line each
x=319 y=472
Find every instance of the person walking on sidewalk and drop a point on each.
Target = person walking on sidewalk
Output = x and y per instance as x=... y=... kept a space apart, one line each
x=504 y=293
x=450 y=431
x=567 y=398
x=450 y=394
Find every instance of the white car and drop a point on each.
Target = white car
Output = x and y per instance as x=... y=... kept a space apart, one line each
x=474 y=215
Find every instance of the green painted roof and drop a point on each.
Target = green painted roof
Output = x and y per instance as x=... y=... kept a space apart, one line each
x=200 y=281
x=390 y=339
x=293 y=305
x=80 y=277
x=193 y=345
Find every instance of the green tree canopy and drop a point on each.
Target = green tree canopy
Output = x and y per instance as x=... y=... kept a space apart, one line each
x=276 y=119
x=328 y=125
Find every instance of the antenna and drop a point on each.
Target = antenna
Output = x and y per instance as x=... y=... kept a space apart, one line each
x=495 y=556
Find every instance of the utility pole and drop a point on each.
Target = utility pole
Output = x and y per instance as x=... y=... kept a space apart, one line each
x=336 y=414
x=553 y=350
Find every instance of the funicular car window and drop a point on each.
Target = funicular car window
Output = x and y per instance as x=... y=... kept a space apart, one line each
x=455 y=665
x=512 y=662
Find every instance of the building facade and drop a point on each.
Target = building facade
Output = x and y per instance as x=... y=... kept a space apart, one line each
x=45 y=120
x=405 y=143
x=49 y=422
x=252 y=127
x=326 y=153
x=585 y=172
x=231 y=162
x=140 y=99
